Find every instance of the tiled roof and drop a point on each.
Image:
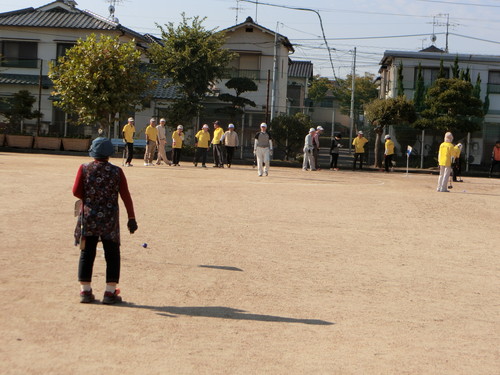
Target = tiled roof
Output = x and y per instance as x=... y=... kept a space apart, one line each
x=303 y=69
x=165 y=90
x=23 y=79
x=60 y=15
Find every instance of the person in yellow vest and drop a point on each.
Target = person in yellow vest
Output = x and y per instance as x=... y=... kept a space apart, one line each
x=177 y=141
x=128 y=134
x=444 y=160
x=217 y=145
x=495 y=157
x=388 y=153
x=359 y=149
x=456 y=163
x=151 y=138
x=202 y=143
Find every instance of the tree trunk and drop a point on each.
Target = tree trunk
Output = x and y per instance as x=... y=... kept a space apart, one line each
x=378 y=159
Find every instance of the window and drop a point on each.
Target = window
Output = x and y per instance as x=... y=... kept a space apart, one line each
x=430 y=75
x=63 y=47
x=20 y=54
x=245 y=65
x=494 y=82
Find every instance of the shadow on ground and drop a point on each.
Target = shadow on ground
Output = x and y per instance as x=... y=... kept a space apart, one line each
x=221 y=313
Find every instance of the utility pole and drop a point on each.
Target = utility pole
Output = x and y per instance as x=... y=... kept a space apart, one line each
x=353 y=88
x=274 y=92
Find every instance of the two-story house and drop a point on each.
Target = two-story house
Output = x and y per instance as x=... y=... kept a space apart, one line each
x=30 y=38
x=486 y=66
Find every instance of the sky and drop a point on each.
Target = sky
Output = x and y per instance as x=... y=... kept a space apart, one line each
x=371 y=27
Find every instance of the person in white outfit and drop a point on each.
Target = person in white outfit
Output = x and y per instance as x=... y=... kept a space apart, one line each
x=263 y=149
x=309 y=151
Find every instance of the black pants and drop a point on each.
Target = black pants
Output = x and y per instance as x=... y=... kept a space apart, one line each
x=388 y=162
x=200 y=151
x=87 y=257
x=357 y=155
x=218 y=155
x=130 y=152
x=457 y=170
x=230 y=154
x=493 y=164
x=176 y=157
x=333 y=161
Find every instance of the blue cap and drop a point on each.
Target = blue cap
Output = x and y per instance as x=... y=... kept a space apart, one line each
x=101 y=148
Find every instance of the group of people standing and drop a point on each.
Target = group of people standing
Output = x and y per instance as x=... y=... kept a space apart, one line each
x=156 y=141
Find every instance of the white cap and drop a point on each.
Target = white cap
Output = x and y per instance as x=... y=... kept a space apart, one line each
x=230 y=126
x=320 y=128
x=459 y=146
x=180 y=127
x=205 y=126
x=130 y=119
x=163 y=120
x=263 y=125
x=312 y=130
x=360 y=132
x=387 y=136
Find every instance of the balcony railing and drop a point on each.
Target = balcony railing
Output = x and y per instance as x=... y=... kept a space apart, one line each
x=243 y=73
x=19 y=63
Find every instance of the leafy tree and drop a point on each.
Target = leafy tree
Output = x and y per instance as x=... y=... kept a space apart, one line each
x=442 y=72
x=451 y=105
x=238 y=103
x=19 y=107
x=289 y=131
x=364 y=93
x=383 y=112
x=98 y=78
x=400 y=85
x=419 y=96
x=477 y=87
x=455 y=69
x=193 y=58
x=318 y=88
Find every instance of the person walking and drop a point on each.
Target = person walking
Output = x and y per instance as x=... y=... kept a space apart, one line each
x=359 y=149
x=317 y=133
x=388 y=153
x=495 y=157
x=97 y=185
x=263 y=149
x=334 y=151
x=202 y=141
x=444 y=160
x=309 y=151
x=162 y=142
x=151 y=138
x=177 y=142
x=217 y=145
x=230 y=141
x=128 y=134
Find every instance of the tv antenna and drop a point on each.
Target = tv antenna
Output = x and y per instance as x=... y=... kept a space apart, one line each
x=436 y=22
x=111 y=8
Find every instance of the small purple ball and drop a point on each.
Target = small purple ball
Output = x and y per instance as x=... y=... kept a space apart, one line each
x=144 y=245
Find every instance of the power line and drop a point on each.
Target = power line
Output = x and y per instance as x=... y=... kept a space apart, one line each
x=457 y=3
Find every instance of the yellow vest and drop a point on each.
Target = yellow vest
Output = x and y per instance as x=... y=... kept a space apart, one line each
x=203 y=138
x=129 y=131
x=151 y=133
x=359 y=144
x=445 y=154
x=177 y=139
x=217 y=136
x=389 y=147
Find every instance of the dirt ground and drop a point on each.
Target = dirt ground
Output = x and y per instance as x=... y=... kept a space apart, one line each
x=296 y=273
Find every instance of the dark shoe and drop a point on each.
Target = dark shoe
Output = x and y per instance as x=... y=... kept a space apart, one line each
x=87 y=297
x=111 y=298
